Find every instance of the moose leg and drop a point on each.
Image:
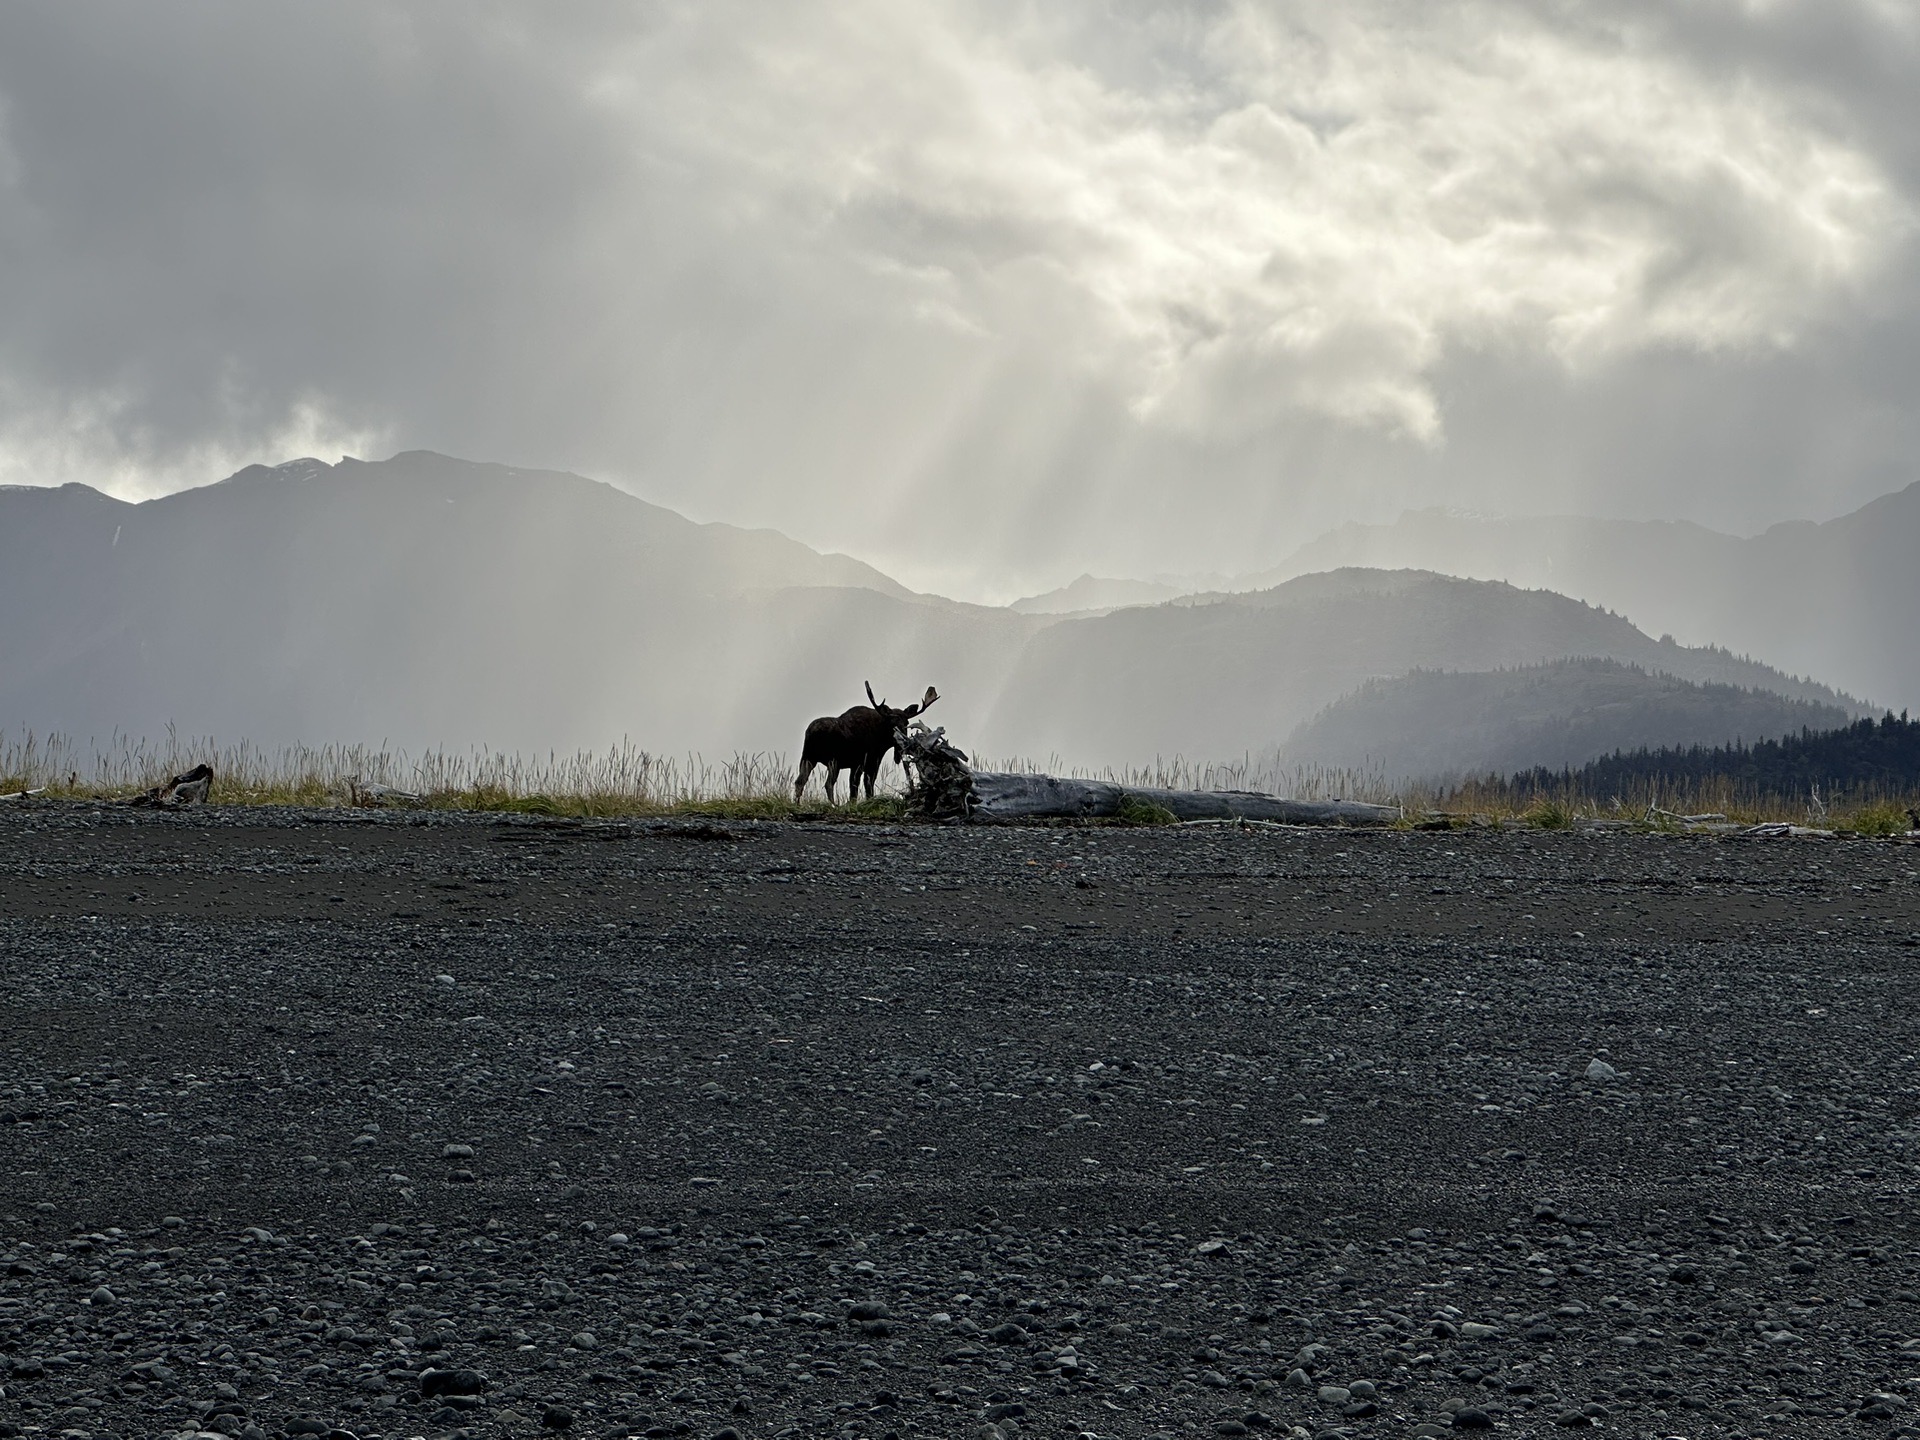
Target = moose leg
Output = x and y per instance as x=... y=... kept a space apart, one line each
x=806 y=773
x=833 y=779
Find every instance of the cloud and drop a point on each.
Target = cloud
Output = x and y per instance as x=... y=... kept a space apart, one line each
x=52 y=436
x=1120 y=272
x=1338 y=195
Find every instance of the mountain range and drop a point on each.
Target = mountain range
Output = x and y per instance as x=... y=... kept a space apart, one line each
x=1833 y=599
x=425 y=601
x=1188 y=676
x=429 y=601
x=1093 y=593
x=1817 y=598
x=1440 y=725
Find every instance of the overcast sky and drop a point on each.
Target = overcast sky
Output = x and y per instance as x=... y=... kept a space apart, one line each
x=985 y=293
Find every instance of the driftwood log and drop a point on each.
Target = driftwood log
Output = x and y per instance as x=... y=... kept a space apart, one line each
x=939 y=778
x=943 y=785
x=183 y=789
x=371 y=795
x=1011 y=797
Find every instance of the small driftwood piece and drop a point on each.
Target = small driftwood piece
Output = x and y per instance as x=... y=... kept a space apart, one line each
x=371 y=795
x=23 y=794
x=1710 y=817
x=187 y=788
x=1710 y=822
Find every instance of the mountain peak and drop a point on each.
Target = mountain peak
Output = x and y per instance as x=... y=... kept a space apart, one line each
x=1094 y=592
x=285 y=473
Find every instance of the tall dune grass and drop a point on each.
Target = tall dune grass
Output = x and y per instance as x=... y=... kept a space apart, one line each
x=627 y=780
x=624 y=780
x=1868 y=809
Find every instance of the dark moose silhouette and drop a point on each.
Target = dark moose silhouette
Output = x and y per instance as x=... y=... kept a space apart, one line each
x=856 y=740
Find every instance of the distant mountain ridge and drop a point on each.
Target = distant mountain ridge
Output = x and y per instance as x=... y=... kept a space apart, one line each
x=1831 y=598
x=1224 y=675
x=1434 y=725
x=1093 y=592
x=431 y=602
x=428 y=601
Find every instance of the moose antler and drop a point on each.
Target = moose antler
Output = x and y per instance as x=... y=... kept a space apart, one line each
x=926 y=700
x=870 y=700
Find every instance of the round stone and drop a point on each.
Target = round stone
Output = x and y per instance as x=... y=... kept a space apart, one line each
x=452 y=1382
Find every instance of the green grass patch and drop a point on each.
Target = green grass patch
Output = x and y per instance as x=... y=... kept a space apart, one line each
x=1548 y=815
x=1136 y=811
x=1877 y=820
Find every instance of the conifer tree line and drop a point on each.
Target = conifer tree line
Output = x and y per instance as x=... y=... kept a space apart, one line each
x=1879 y=758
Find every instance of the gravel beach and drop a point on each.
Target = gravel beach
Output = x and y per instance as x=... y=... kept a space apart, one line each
x=393 y=1125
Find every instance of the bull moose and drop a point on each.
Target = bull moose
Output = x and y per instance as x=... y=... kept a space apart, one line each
x=856 y=741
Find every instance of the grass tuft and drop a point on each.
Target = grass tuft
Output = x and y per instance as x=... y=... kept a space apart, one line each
x=1136 y=811
x=1878 y=820
x=1546 y=814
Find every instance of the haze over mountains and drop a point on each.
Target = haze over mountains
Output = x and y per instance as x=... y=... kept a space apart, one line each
x=1437 y=725
x=1834 y=599
x=430 y=602
x=1827 y=599
x=1187 y=676
x=1092 y=592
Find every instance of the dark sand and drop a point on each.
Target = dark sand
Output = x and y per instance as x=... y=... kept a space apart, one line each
x=825 y=1130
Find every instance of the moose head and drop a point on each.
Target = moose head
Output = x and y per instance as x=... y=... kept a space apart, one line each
x=856 y=740
x=897 y=719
